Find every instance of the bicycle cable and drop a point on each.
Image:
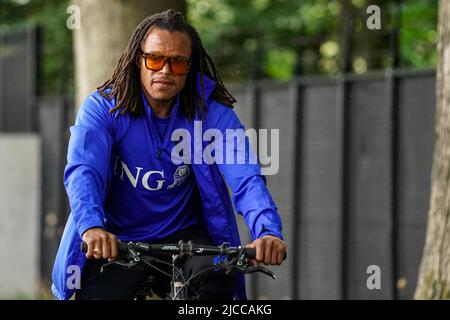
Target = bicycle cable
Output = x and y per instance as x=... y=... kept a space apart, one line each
x=143 y=259
x=192 y=277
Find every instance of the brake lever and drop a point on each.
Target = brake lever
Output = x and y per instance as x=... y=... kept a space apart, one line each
x=132 y=254
x=121 y=263
x=253 y=269
x=244 y=265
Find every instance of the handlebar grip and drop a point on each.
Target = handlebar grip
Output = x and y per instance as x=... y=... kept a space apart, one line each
x=83 y=247
x=250 y=253
x=122 y=248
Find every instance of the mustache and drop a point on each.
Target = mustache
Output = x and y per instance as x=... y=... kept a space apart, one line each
x=165 y=80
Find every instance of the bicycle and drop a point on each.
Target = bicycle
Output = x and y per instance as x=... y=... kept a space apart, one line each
x=230 y=259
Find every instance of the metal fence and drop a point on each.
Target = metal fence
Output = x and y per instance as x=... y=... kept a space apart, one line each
x=354 y=179
x=55 y=116
x=18 y=76
x=22 y=110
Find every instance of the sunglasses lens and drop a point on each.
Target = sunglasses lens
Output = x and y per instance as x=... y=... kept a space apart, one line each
x=154 y=63
x=179 y=66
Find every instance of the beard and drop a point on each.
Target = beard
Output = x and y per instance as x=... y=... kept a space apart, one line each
x=163 y=101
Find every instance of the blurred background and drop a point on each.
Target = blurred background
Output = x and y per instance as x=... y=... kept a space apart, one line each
x=355 y=108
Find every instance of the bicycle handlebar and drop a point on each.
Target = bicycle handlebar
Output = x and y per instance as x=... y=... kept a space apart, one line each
x=182 y=248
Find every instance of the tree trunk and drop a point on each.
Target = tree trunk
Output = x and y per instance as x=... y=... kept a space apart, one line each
x=106 y=27
x=434 y=273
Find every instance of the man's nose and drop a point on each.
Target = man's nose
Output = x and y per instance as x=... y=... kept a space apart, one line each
x=166 y=68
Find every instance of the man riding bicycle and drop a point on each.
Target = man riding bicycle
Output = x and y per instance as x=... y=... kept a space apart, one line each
x=125 y=179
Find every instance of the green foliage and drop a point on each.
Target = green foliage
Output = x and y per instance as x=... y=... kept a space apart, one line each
x=56 y=65
x=282 y=38
x=419 y=33
x=284 y=70
x=252 y=39
x=263 y=38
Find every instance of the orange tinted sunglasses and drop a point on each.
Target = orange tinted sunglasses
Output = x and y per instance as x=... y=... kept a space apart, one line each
x=177 y=65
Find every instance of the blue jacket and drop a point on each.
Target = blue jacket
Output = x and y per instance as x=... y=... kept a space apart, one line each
x=90 y=158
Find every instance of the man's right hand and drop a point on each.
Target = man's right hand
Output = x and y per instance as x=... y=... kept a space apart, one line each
x=101 y=244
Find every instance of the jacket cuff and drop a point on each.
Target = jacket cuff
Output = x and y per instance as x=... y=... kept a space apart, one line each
x=271 y=233
x=89 y=224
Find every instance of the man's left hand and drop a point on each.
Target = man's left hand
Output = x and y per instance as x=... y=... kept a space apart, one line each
x=269 y=250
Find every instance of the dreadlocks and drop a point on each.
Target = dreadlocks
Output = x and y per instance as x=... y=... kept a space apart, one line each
x=124 y=85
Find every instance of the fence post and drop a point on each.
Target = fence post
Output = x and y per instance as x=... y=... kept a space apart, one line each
x=392 y=96
x=2 y=86
x=344 y=122
x=52 y=127
x=297 y=197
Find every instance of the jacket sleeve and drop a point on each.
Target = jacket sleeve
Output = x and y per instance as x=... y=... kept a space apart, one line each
x=86 y=174
x=250 y=195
